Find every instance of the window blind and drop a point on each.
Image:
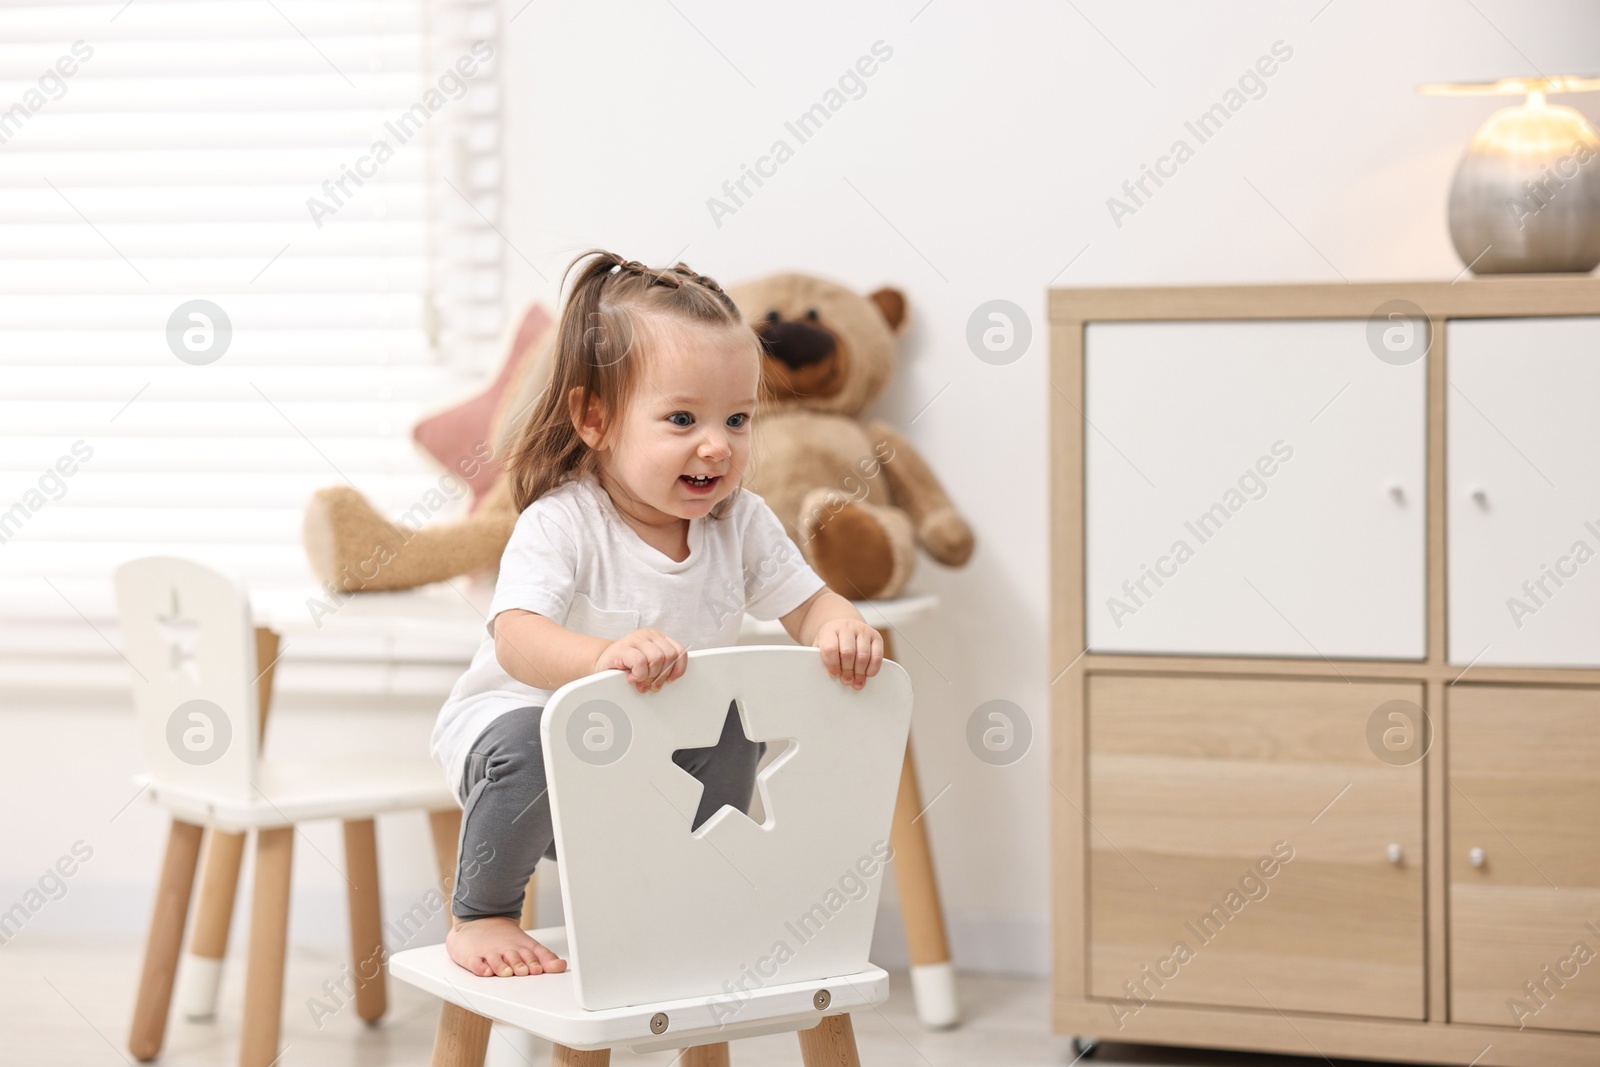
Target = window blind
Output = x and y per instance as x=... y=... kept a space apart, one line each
x=324 y=177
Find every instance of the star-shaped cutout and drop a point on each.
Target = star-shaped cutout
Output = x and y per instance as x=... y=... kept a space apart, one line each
x=737 y=745
x=182 y=636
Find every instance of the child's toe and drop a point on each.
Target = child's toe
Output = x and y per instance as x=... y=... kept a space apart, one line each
x=549 y=960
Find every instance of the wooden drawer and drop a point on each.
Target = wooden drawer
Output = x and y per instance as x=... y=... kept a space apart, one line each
x=1198 y=787
x=1253 y=488
x=1525 y=789
x=1524 y=491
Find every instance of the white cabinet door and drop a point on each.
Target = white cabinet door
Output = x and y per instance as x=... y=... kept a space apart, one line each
x=1253 y=488
x=1523 y=534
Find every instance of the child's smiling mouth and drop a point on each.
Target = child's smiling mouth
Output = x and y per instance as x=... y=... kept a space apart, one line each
x=700 y=484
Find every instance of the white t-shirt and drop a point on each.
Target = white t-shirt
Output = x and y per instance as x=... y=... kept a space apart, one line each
x=573 y=559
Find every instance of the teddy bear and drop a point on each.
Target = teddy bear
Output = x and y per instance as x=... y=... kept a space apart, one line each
x=856 y=497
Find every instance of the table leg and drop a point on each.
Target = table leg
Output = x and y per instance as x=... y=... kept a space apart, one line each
x=219 y=874
x=366 y=919
x=213 y=913
x=445 y=826
x=933 y=983
x=530 y=903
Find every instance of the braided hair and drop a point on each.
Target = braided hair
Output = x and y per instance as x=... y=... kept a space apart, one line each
x=616 y=306
x=674 y=276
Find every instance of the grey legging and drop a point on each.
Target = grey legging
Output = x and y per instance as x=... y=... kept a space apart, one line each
x=505 y=827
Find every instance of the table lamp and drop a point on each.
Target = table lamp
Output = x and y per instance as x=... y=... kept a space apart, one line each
x=1526 y=194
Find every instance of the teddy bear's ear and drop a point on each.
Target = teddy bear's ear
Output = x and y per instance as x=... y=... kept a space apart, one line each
x=892 y=303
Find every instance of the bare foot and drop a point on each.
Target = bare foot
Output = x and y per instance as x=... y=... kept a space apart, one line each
x=498 y=946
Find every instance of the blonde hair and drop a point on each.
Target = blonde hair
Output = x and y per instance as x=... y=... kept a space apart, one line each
x=615 y=304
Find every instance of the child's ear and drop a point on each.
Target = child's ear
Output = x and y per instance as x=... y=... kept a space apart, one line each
x=590 y=424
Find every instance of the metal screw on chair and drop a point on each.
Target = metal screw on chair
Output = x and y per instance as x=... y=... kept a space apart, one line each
x=658 y=1023
x=822 y=999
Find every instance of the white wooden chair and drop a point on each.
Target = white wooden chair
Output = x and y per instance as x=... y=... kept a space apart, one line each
x=680 y=938
x=188 y=635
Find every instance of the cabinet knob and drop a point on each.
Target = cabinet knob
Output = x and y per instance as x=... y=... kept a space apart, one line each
x=1397 y=492
x=1475 y=857
x=1480 y=498
x=1394 y=852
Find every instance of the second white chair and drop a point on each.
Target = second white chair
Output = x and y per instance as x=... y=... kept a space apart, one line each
x=189 y=638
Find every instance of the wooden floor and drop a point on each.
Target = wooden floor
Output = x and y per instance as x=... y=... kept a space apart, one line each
x=67 y=1004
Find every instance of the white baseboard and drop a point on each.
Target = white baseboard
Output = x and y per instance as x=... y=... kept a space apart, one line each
x=986 y=945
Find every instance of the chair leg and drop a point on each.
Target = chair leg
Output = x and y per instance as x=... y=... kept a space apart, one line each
x=164 y=941
x=831 y=1043
x=932 y=977
x=706 y=1055
x=462 y=1038
x=269 y=934
x=446 y=828
x=366 y=919
x=219 y=874
x=562 y=1056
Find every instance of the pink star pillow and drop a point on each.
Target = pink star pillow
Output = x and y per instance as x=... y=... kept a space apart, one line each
x=459 y=436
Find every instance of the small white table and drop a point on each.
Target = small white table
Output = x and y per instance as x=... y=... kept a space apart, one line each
x=458 y=610
x=452 y=609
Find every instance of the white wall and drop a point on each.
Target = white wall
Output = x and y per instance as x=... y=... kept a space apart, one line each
x=976 y=166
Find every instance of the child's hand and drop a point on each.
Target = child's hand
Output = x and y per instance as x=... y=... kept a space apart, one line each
x=851 y=650
x=651 y=659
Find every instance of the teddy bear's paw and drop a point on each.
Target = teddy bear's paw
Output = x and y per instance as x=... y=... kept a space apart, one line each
x=342 y=532
x=946 y=536
x=863 y=552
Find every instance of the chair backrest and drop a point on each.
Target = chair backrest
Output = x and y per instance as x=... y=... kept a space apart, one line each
x=658 y=912
x=187 y=633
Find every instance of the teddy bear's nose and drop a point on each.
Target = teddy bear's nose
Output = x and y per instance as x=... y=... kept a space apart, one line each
x=795 y=344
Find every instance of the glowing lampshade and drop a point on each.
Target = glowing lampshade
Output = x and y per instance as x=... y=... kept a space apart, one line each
x=1526 y=195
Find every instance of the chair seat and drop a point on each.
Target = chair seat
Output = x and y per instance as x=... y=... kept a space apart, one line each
x=295 y=791
x=546 y=1004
